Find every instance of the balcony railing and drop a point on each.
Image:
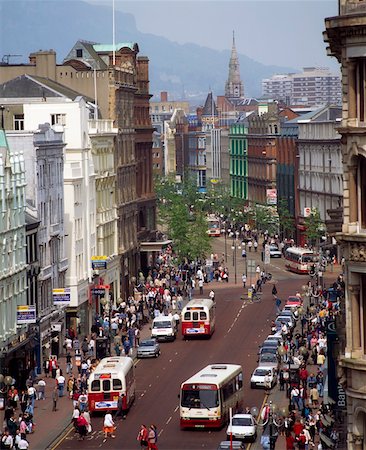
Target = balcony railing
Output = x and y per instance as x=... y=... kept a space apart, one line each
x=98 y=126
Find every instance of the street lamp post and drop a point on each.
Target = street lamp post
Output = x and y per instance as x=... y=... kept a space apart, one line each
x=235 y=246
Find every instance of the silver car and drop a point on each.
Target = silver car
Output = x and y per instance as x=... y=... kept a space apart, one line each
x=148 y=348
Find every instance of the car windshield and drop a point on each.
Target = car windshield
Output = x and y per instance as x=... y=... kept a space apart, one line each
x=268 y=357
x=274 y=248
x=272 y=350
x=149 y=343
x=242 y=421
x=194 y=398
x=261 y=372
x=165 y=324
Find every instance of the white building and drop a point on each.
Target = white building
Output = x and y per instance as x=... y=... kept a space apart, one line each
x=320 y=161
x=44 y=165
x=102 y=136
x=314 y=86
x=13 y=277
x=72 y=117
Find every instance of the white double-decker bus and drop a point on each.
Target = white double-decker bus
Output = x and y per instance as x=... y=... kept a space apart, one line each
x=206 y=397
x=299 y=259
x=198 y=318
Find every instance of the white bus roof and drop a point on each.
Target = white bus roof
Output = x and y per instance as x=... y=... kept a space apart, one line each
x=208 y=302
x=113 y=364
x=214 y=374
x=299 y=250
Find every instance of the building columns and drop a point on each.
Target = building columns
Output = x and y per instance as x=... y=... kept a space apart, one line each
x=352 y=94
x=355 y=312
x=353 y=213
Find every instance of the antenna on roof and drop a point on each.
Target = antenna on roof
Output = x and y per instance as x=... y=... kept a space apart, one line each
x=114 y=34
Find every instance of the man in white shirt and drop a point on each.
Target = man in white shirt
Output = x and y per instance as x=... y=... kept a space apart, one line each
x=23 y=444
x=41 y=389
x=61 y=385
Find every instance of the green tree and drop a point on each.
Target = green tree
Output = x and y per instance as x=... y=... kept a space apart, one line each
x=266 y=218
x=314 y=227
x=198 y=240
x=287 y=222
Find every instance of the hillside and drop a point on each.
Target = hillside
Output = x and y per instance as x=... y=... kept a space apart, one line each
x=31 y=25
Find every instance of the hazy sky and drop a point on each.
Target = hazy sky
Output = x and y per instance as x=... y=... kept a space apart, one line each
x=287 y=33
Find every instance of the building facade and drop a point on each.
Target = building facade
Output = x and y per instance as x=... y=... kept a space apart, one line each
x=346 y=38
x=44 y=169
x=314 y=86
x=320 y=163
x=15 y=358
x=238 y=148
x=116 y=80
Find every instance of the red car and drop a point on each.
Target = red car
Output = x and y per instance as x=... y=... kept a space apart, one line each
x=293 y=300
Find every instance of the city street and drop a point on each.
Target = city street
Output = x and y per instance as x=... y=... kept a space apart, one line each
x=240 y=328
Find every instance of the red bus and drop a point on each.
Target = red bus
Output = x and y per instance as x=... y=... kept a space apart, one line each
x=198 y=318
x=112 y=376
x=207 y=396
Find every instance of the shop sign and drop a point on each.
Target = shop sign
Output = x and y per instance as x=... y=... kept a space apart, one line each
x=271 y=196
x=99 y=262
x=267 y=254
x=26 y=314
x=61 y=296
x=97 y=291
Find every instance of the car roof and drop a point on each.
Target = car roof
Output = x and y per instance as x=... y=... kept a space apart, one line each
x=243 y=416
x=263 y=368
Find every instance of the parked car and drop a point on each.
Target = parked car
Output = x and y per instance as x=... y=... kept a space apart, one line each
x=148 y=348
x=242 y=426
x=289 y=313
x=257 y=378
x=271 y=350
x=270 y=343
x=288 y=320
x=293 y=300
x=268 y=360
x=234 y=445
x=274 y=252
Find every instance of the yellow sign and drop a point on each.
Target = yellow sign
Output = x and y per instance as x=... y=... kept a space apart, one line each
x=99 y=258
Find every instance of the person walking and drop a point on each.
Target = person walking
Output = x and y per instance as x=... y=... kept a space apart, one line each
x=278 y=304
x=61 y=385
x=142 y=436
x=200 y=285
x=152 y=438
x=108 y=426
x=244 y=280
x=41 y=389
x=54 y=398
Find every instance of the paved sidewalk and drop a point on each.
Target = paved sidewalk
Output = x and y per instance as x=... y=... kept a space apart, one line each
x=50 y=425
x=278 y=397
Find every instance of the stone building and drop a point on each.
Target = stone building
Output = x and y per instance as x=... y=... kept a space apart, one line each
x=15 y=353
x=234 y=88
x=346 y=38
x=117 y=79
x=44 y=168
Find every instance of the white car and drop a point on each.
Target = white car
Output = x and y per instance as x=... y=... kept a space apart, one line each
x=257 y=378
x=274 y=252
x=242 y=426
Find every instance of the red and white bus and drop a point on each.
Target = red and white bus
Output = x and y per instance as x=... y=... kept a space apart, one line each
x=112 y=376
x=299 y=259
x=198 y=317
x=214 y=226
x=206 y=397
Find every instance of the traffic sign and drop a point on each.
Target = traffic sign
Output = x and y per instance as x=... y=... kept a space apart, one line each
x=251 y=265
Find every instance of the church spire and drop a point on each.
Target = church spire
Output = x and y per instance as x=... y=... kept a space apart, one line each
x=234 y=87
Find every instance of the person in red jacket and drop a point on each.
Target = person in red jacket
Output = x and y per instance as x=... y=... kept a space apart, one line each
x=290 y=441
x=143 y=436
x=298 y=428
x=82 y=426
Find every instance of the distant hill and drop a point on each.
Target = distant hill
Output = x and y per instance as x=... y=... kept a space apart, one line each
x=30 y=25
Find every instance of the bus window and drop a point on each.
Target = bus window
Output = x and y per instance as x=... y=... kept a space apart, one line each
x=195 y=316
x=106 y=385
x=203 y=315
x=187 y=315
x=239 y=381
x=117 y=384
x=95 y=386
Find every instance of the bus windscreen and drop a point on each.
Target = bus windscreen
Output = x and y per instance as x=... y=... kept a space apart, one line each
x=194 y=398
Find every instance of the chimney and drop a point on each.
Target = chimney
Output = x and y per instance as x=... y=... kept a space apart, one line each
x=163 y=96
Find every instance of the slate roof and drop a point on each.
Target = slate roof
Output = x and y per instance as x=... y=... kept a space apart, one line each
x=26 y=86
x=210 y=108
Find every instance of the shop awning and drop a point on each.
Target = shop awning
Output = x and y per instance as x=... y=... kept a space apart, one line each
x=154 y=246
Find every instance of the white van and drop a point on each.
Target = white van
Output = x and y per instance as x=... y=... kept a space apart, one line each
x=164 y=328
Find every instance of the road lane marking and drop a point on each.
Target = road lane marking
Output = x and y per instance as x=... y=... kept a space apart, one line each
x=161 y=432
x=170 y=418
x=176 y=408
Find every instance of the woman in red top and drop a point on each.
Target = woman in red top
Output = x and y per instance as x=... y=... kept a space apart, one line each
x=290 y=441
x=142 y=437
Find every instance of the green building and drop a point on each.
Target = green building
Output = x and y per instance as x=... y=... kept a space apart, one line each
x=238 y=147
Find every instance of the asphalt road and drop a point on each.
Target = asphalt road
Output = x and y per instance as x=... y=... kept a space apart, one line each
x=240 y=328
